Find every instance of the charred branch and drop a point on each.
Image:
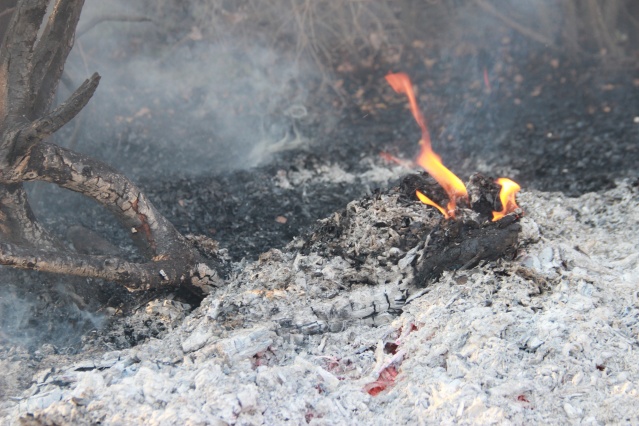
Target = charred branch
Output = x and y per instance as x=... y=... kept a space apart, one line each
x=18 y=224
x=51 y=52
x=30 y=69
x=153 y=234
x=25 y=138
x=199 y=278
x=51 y=123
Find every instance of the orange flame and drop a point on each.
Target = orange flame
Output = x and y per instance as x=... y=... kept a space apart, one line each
x=431 y=162
x=507 y=196
x=424 y=199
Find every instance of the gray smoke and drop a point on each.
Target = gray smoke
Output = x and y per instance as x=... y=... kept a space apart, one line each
x=182 y=104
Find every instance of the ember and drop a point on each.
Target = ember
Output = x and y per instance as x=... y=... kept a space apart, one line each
x=431 y=162
x=386 y=379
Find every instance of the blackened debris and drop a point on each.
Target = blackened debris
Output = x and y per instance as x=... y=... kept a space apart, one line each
x=424 y=183
x=463 y=244
x=484 y=195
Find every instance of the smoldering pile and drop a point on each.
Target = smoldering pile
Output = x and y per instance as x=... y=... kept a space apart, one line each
x=336 y=329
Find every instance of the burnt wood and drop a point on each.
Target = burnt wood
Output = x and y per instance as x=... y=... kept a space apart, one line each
x=463 y=244
x=472 y=238
x=32 y=59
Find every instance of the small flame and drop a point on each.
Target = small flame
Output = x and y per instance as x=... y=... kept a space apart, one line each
x=487 y=81
x=424 y=199
x=431 y=162
x=507 y=196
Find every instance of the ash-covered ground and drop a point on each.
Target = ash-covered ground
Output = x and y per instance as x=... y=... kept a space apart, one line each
x=311 y=334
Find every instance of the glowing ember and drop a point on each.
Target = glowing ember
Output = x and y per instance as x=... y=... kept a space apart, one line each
x=507 y=196
x=427 y=158
x=386 y=379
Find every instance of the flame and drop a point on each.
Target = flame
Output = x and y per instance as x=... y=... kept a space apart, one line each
x=487 y=81
x=424 y=199
x=507 y=196
x=431 y=162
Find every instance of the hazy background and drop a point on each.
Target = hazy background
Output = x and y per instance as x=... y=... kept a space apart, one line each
x=208 y=86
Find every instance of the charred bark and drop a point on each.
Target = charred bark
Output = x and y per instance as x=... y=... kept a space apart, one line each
x=30 y=69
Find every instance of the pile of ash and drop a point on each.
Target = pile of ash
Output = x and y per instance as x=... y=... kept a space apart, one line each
x=334 y=329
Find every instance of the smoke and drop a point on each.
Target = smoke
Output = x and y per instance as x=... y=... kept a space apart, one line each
x=182 y=104
x=51 y=312
x=169 y=103
x=210 y=86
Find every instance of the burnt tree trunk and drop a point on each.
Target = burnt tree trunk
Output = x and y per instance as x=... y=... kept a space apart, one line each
x=30 y=69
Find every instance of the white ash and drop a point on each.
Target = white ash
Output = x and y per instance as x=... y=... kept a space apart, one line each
x=334 y=174
x=550 y=337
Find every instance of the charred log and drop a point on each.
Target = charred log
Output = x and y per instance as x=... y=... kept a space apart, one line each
x=463 y=244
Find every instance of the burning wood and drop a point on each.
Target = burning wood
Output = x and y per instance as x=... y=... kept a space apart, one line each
x=464 y=242
x=469 y=238
x=431 y=162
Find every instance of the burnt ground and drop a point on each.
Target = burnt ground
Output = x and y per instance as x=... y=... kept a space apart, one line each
x=548 y=121
x=551 y=124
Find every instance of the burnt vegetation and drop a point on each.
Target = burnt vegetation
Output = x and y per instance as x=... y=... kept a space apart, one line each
x=32 y=58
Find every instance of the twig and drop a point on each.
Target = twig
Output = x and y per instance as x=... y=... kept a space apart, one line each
x=110 y=18
x=514 y=24
x=51 y=123
x=7 y=11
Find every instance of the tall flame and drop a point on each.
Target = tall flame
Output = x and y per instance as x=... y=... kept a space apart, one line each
x=431 y=162
x=507 y=196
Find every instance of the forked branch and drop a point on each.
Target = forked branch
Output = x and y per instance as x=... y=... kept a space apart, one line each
x=30 y=70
